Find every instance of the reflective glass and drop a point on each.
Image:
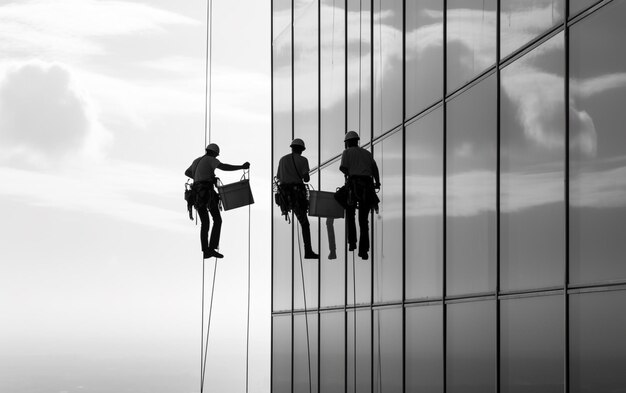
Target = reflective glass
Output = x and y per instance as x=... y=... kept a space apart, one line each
x=281 y=15
x=332 y=344
x=359 y=354
x=332 y=74
x=471 y=347
x=597 y=345
x=304 y=353
x=521 y=21
x=281 y=262
x=424 y=349
x=387 y=225
x=424 y=54
x=575 y=6
x=471 y=155
x=332 y=235
x=388 y=350
x=310 y=266
x=387 y=65
x=532 y=345
x=306 y=73
x=471 y=40
x=359 y=68
x=532 y=159
x=598 y=146
x=281 y=354
x=424 y=207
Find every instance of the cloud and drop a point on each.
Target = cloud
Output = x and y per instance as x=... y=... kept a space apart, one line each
x=68 y=26
x=44 y=117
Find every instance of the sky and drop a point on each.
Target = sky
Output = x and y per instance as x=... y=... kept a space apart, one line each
x=101 y=110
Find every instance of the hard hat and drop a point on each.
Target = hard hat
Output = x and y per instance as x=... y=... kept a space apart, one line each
x=351 y=135
x=298 y=142
x=214 y=148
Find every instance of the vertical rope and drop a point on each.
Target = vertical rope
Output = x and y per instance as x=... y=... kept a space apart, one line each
x=208 y=328
x=354 y=301
x=248 y=318
x=207 y=129
x=306 y=315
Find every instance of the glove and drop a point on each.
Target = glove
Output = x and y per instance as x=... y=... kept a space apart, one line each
x=246 y=165
x=377 y=186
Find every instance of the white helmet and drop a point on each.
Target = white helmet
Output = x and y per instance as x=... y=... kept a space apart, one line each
x=298 y=142
x=351 y=135
x=214 y=148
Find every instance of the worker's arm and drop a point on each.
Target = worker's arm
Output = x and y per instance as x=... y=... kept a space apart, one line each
x=228 y=167
x=376 y=175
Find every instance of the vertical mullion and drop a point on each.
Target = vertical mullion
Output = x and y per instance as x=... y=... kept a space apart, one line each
x=403 y=195
x=371 y=309
x=345 y=108
x=444 y=194
x=271 y=196
x=566 y=365
x=319 y=183
x=498 y=175
x=292 y=225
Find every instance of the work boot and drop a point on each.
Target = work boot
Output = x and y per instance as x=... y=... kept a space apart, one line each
x=332 y=255
x=363 y=255
x=212 y=253
x=351 y=246
x=310 y=254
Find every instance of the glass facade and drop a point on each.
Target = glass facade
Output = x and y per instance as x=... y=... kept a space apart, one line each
x=497 y=253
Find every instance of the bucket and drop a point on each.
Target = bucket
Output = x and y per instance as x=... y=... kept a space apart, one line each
x=323 y=204
x=235 y=195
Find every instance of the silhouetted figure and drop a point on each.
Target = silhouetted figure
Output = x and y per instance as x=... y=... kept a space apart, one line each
x=202 y=171
x=332 y=245
x=361 y=171
x=293 y=171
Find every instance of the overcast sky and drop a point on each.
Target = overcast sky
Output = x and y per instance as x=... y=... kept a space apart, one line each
x=101 y=111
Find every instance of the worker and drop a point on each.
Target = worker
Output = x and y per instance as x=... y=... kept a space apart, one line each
x=293 y=172
x=202 y=171
x=362 y=181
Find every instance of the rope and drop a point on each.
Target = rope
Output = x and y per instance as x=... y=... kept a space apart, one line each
x=207 y=130
x=306 y=315
x=248 y=318
x=354 y=301
x=208 y=328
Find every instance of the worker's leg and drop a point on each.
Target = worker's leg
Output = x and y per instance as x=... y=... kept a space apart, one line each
x=204 y=226
x=306 y=233
x=214 y=209
x=351 y=224
x=330 y=228
x=364 y=238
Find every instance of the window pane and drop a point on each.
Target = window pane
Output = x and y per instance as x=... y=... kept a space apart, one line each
x=531 y=345
x=359 y=354
x=532 y=207
x=471 y=346
x=424 y=210
x=359 y=68
x=388 y=350
x=424 y=349
x=575 y=6
x=471 y=38
x=281 y=259
x=597 y=345
x=522 y=21
x=471 y=190
x=424 y=54
x=387 y=255
x=306 y=77
x=304 y=351
x=387 y=65
x=598 y=146
x=281 y=15
x=281 y=354
x=332 y=363
x=310 y=266
x=332 y=233
x=332 y=76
